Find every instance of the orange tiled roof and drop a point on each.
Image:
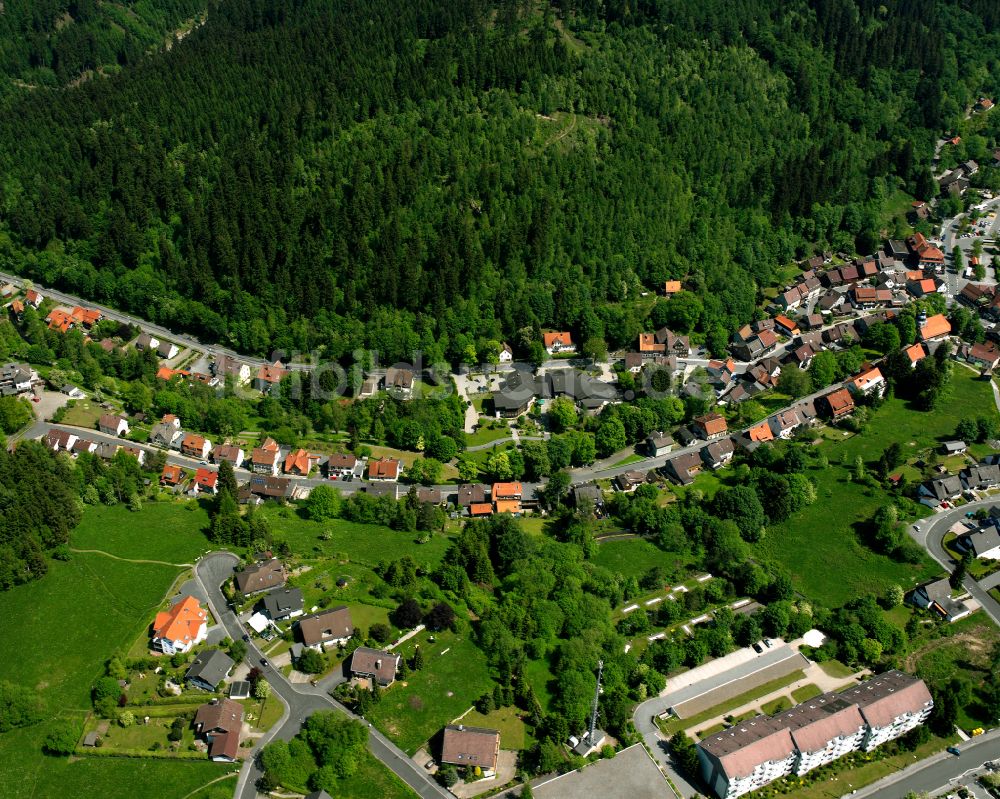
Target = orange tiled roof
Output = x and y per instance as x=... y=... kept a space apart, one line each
x=480 y=509
x=507 y=490
x=508 y=505
x=760 y=432
x=916 y=353
x=561 y=337
x=672 y=286
x=865 y=379
x=934 y=327
x=298 y=460
x=172 y=474
x=383 y=467
x=271 y=372
x=59 y=320
x=181 y=622
x=206 y=478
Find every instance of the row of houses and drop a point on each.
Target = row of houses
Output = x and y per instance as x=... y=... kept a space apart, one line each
x=73 y=444
x=982 y=476
x=762 y=749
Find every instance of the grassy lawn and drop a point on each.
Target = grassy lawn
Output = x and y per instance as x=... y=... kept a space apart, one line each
x=836 y=669
x=485 y=435
x=776 y=705
x=84 y=413
x=633 y=557
x=361 y=543
x=453 y=677
x=99 y=606
x=828 y=531
x=508 y=722
x=372 y=780
x=265 y=714
x=540 y=676
x=629 y=459
x=800 y=695
x=167 y=531
x=534 y=525
x=672 y=725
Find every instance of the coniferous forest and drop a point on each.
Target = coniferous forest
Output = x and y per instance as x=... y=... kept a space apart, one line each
x=433 y=175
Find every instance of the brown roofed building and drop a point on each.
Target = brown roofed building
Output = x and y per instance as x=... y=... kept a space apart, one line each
x=262 y=576
x=328 y=627
x=710 y=426
x=836 y=405
x=220 y=723
x=374 y=664
x=471 y=747
x=471 y=493
x=892 y=704
x=386 y=469
x=196 y=446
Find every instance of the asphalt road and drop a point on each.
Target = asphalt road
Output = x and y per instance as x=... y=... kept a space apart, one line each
x=936 y=773
x=929 y=533
x=300 y=701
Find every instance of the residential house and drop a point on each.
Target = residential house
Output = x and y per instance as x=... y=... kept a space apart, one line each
x=269 y=376
x=113 y=425
x=268 y=486
x=195 y=446
x=209 y=668
x=220 y=723
x=684 y=468
x=399 y=381
x=954 y=447
x=717 y=454
x=589 y=495
x=558 y=342
x=630 y=481
x=898 y=249
x=34 y=298
x=374 y=664
x=869 y=382
x=941 y=489
x=984 y=104
x=300 y=463
x=830 y=301
x=986 y=355
x=936 y=596
x=835 y=405
x=225 y=367
x=286 y=603
x=785 y=423
x=802 y=356
x=16 y=378
x=658 y=444
x=469 y=494
x=710 y=426
x=516 y=394
x=786 y=325
x=167 y=350
x=671 y=287
x=431 y=496
x=983 y=543
x=83 y=445
x=166 y=435
x=976 y=295
x=791 y=298
x=229 y=453
x=261 y=576
x=206 y=480
x=340 y=465
x=760 y=432
x=916 y=353
x=980 y=477
x=926 y=254
x=501 y=491
x=721 y=372
x=137 y=453
x=664 y=342
x=265 y=459
x=954 y=182
x=633 y=362
x=61 y=320
x=327 y=628
x=181 y=627
x=471 y=747
x=480 y=509
x=935 y=328
x=506 y=354
x=166 y=374
x=384 y=469
x=171 y=476
x=146 y=342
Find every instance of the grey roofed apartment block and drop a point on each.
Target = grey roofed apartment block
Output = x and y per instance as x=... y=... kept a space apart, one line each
x=210 y=668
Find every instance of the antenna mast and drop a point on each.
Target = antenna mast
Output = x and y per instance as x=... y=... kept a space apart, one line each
x=597 y=694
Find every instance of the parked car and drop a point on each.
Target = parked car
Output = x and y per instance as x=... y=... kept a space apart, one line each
x=954 y=750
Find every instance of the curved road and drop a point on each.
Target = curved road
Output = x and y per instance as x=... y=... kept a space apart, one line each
x=300 y=700
x=930 y=533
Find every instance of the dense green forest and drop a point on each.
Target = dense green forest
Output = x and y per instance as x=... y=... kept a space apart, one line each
x=438 y=175
x=53 y=42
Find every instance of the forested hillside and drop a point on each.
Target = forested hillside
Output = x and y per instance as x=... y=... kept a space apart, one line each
x=431 y=174
x=53 y=42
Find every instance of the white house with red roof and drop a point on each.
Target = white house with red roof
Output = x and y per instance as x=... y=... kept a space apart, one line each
x=183 y=626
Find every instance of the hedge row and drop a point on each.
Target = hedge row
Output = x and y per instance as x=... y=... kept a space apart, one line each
x=163 y=754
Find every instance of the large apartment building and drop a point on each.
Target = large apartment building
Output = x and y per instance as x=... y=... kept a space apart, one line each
x=760 y=750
